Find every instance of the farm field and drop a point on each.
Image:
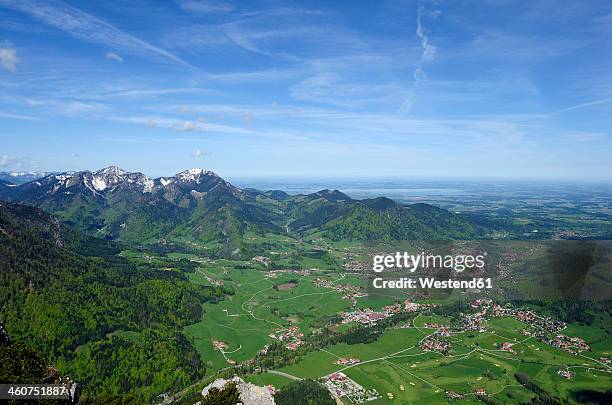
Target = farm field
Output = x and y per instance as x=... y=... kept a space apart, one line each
x=394 y=365
x=305 y=291
x=245 y=319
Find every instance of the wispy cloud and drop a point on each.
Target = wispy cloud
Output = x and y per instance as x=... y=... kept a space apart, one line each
x=8 y=56
x=258 y=76
x=62 y=107
x=428 y=54
x=86 y=27
x=153 y=92
x=584 y=105
x=79 y=108
x=206 y=7
x=181 y=125
x=16 y=116
x=114 y=56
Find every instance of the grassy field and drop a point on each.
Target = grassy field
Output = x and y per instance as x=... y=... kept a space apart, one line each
x=395 y=361
x=394 y=364
x=244 y=320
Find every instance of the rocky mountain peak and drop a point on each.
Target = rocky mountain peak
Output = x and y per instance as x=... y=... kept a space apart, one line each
x=194 y=175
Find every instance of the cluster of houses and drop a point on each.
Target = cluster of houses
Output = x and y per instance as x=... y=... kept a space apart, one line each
x=431 y=325
x=219 y=345
x=484 y=302
x=541 y=327
x=415 y=307
x=351 y=264
x=347 y=362
x=565 y=373
x=507 y=346
x=572 y=345
x=443 y=331
x=370 y=317
x=294 y=345
x=393 y=309
x=350 y=292
x=291 y=334
x=544 y=328
x=275 y=273
x=434 y=344
x=541 y=323
x=453 y=395
x=341 y=385
x=473 y=321
x=481 y=392
x=365 y=317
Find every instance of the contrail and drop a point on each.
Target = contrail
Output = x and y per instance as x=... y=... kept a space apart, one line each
x=583 y=105
x=427 y=55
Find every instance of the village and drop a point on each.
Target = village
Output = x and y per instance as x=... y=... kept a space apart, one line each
x=370 y=317
x=475 y=319
x=348 y=291
x=544 y=329
x=341 y=385
x=292 y=335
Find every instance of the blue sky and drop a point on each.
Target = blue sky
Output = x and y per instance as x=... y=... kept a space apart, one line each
x=496 y=88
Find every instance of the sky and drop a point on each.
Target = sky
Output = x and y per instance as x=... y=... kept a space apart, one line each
x=457 y=88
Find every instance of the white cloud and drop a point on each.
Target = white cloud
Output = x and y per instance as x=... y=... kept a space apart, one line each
x=114 y=56
x=188 y=126
x=8 y=57
x=198 y=153
x=5 y=160
x=429 y=50
x=12 y=161
x=86 y=27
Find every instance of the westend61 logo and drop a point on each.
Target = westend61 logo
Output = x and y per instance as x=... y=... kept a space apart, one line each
x=412 y=262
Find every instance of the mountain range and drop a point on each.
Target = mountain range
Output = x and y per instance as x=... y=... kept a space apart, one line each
x=20 y=177
x=200 y=207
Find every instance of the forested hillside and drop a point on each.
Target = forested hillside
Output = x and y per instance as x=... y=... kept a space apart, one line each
x=199 y=207
x=107 y=323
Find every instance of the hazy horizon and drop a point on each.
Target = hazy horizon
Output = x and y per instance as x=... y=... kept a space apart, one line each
x=330 y=178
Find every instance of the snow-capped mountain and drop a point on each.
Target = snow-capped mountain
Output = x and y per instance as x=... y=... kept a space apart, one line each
x=115 y=202
x=198 y=206
x=21 y=177
x=113 y=179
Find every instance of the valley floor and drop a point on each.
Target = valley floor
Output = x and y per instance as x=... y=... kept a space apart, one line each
x=287 y=306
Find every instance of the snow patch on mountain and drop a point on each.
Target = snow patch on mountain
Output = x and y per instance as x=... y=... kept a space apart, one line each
x=98 y=184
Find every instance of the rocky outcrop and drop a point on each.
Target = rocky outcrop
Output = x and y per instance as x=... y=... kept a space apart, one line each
x=250 y=394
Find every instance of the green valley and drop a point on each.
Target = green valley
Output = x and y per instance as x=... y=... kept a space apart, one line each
x=150 y=295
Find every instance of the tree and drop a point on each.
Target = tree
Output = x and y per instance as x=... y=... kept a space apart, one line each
x=303 y=392
x=229 y=395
